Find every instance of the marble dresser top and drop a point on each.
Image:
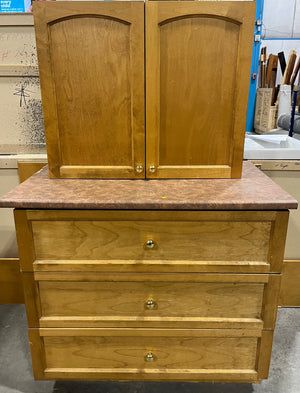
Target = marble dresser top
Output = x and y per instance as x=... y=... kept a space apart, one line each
x=254 y=191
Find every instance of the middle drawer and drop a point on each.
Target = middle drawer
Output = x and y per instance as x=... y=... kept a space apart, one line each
x=153 y=299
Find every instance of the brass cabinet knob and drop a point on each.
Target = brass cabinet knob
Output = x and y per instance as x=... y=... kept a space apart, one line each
x=152 y=168
x=150 y=304
x=149 y=357
x=139 y=168
x=150 y=243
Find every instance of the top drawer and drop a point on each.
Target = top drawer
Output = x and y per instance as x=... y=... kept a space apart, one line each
x=138 y=237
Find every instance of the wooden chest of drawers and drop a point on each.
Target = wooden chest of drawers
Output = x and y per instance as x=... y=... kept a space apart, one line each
x=172 y=280
x=151 y=295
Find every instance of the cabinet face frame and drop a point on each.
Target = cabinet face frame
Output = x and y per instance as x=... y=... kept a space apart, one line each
x=51 y=21
x=159 y=15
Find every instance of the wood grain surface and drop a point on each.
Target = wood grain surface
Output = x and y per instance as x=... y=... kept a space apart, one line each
x=24 y=239
x=37 y=353
x=197 y=92
x=127 y=240
x=92 y=81
x=11 y=287
x=210 y=349
x=277 y=241
x=167 y=375
x=103 y=240
x=27 y=169
x=120 y=354
x=170 y=299
x=264 y=352
x=32 y=299
x=270 y=301
x=290 y=287
x=178 y=353
x=151 y=266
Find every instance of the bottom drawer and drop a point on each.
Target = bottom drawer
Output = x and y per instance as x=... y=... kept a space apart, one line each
x=144 y=354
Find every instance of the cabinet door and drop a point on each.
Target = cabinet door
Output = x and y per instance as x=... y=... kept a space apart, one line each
x=91 y=63
x=198 y=58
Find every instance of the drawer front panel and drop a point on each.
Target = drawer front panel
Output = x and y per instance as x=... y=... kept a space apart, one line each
x=167 y=240
x=236 y=355
x=151 y=299
x=150 y=349
x=171 y=353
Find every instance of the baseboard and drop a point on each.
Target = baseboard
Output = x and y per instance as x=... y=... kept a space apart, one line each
x=27 y=169
x=290 y=284
x=11 y=287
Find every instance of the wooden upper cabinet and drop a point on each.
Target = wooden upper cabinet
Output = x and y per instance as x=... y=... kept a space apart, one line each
x=92 y=68
x=198 y=58
x=91 y=64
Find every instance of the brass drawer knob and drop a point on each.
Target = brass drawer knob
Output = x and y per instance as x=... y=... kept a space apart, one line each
x=139 y=168
x=150 y=304
x=149 y=357
x=152 y=168
x=150 y=244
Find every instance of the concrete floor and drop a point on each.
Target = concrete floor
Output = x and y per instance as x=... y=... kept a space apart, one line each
x=16 y=375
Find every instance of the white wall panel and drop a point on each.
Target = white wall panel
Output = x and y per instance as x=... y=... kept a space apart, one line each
x=21 y=125
x=278 y=18
x=296 y=29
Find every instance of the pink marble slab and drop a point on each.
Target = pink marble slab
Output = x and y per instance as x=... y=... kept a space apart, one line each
x=254 y=191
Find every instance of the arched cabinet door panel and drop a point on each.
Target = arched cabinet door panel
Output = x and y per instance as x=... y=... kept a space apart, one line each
x=91 y=62
x=198 y=58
